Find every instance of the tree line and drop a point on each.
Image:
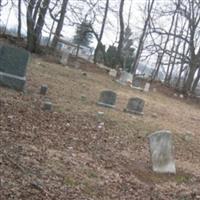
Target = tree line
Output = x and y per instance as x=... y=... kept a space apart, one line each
x=170 y=33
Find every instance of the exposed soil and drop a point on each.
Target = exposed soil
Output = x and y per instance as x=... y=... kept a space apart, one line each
x=69 y=154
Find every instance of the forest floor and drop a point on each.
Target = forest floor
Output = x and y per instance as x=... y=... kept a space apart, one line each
x=66 y=155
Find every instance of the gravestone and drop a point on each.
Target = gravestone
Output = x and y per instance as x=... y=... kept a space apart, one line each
x=135 y=106
x=113 y=73
x=107 y=99
x=43 y=89
x=147 y=87
x=64 y=58
x=47 y=106
x=13 y=62
x=136 y=83
x=125 y=78
x=162 y=152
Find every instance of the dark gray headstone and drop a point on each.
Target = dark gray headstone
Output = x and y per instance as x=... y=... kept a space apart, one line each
x=162 y=152
x=43 y=89
x=13 y=62
x=136 y=83
x=135 y=106
x=107 y=99
x=47 y=106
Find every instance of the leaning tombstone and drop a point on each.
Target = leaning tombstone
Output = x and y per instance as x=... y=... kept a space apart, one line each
x=43 y=89
x=47 y=106
x=135 y=106
x=147 y=87
x=107 y=99
x=162 y=152
x=13 y=62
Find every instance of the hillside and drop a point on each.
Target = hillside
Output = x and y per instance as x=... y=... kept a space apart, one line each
x=70 y=154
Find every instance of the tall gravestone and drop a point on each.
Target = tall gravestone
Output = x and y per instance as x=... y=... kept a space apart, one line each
x=147 y=87
x=107 y=99
x=13 y=62
x=135 y=106
x=162 y=152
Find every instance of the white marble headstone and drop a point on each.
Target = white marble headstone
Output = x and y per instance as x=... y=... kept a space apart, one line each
x=147 y=87
x=113 y=73
x=162 y=152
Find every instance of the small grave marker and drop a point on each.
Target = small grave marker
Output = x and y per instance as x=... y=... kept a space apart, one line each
x=162 y=152
x=135 y=106
x=107 y=99
x=43 y=89
x=47 y=106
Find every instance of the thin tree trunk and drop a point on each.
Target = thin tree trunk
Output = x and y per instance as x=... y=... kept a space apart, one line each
x=194 y=86
x=36 y=10
x=121 y=36
x=19 y=19
x=30 y=26
x=101 y=33
x=60 y=24
x=40 y=22
x=141 y=41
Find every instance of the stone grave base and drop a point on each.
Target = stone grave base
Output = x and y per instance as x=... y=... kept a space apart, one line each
x=133 y=112
x=12 y=81
x=105 y=105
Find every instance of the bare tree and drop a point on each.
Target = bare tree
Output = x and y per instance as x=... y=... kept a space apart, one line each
x=60 y=24
x=99 y=44
x=142 y=37
x=121 y=35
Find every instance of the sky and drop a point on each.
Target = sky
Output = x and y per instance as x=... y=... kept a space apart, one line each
x=109 y=37
x=68 y=31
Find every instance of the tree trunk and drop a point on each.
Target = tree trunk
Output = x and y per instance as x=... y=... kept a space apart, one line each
x=19 y=19
x=141 y=41
x=60 y=24
x=36 y=10
x=190 y=78
x=30 y=26
x=40 y=22
x=194 y=86
x=101 y=33
x=121 y=36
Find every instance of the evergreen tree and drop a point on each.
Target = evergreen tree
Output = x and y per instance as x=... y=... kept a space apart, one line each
x=83 y=35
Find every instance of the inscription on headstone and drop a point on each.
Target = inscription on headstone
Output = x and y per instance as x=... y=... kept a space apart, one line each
x=107 y=99
x=13 y=62
x=162 y=152
x=135 y=106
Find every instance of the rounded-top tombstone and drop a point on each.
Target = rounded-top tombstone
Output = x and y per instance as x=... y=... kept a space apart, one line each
x=135 y=106
x=107 y=99
x=162 y=152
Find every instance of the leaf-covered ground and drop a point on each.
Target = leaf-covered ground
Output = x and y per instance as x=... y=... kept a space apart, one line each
x=74 y=153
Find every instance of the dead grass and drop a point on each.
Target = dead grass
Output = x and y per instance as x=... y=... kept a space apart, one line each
x=73 y=159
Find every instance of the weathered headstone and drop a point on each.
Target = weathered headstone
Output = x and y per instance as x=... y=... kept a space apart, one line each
x=64 y=58
x=135 y=106
x=147 y=87
x=136 y=83
x=107 y=99
x=162 y=152
x=113 y=73
x=47 y=106
x=13 y=62
x=125 y=78
x=43 y=89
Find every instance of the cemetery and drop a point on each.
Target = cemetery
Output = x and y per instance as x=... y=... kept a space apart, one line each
x=75 y=131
